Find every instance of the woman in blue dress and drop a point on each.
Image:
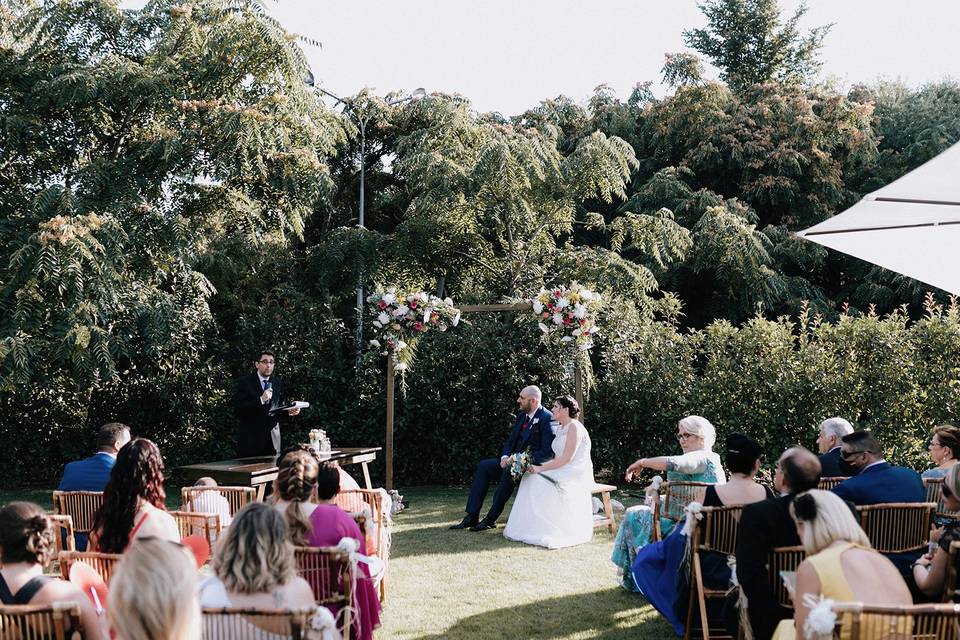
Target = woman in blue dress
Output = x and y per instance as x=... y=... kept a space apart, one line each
x=697 y=464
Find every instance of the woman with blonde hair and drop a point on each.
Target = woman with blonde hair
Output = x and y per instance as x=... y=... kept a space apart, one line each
x=295 y=490
x=840 y=564
x=697 y=464
x=153 y=593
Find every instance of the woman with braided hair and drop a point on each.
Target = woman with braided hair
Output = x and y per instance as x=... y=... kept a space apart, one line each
x=295 y=490
x=26 y=544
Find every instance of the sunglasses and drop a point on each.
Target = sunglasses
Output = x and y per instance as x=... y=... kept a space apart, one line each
x=850 y=455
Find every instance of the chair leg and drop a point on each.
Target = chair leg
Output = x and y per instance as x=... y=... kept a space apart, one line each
x=608 y=510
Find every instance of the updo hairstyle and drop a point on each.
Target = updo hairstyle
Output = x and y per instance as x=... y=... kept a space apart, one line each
x=741 y=453
x=296 y=483
x=25 y=534
x=569 y=403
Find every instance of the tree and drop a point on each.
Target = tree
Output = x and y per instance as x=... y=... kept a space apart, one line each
x=750 y=44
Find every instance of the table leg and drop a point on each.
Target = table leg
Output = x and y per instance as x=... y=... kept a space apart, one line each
x=261 y=489
x=366 y=475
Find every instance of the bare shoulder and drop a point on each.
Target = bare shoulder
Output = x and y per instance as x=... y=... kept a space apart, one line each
x=300 y=593
x=58 y=590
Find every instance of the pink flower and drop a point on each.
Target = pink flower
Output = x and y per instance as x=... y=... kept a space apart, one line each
x=413 y=304
x=382 y=305
x=418 y=326
x=545 y=314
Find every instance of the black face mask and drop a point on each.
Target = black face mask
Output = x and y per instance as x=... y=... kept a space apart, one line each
x=848 y=469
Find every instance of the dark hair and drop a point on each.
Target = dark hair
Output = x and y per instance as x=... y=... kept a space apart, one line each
x=25 y=534
x=110 y=434
x=950 y=438
x=264 y=352
x=296 y=482
x=805 y=507
x=138 y=474
x=801 y=470
x=328 y=481
x=741 y=453
x=862 y=442
x=570 y=404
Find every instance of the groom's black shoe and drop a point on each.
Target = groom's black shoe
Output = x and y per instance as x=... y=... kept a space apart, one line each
x=467 y=523
x=483 y=525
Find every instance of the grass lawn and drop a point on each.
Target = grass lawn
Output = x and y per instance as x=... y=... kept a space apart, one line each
x=450 y=585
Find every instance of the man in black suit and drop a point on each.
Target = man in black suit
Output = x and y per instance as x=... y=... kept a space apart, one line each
x=832 y=431
x=766 y=525
x=531 y=429
x=255 y=402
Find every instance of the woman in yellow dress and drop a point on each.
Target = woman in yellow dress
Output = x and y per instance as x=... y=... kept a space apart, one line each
x=841 y=564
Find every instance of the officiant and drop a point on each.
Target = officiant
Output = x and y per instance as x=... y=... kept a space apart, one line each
x=256 y=402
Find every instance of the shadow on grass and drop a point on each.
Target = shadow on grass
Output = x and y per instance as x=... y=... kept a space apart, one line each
x=611 y=614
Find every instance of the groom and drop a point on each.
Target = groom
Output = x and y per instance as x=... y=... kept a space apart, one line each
x=530 y=429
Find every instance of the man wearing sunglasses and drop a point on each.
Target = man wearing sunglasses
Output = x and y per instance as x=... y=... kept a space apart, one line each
x=877 y=481
x=256 y=402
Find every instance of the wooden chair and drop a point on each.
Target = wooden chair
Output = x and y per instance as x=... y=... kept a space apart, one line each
x=238 y=497
x=377 y=532
x=63 y=540
x=198 y=524
x=898 y=527
x=59 y=621
x=252 y=623
x=913 y=622
x=715 y=533
x=608 y=519
x=79 y=505
x=331 y=574
x=829 y=483
x=934 y=490
x=676 y=496
x=783 y=559
x=103 y=563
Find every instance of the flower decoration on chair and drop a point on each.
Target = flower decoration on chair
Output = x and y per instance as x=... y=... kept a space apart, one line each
x=568 y=315
x=401 y=318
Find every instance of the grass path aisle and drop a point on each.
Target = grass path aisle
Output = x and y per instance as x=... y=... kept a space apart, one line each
x=459 y=584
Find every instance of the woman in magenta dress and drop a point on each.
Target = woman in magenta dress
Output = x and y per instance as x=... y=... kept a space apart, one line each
x=329 y=524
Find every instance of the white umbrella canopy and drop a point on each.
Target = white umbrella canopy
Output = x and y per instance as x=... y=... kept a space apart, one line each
x=911 y=226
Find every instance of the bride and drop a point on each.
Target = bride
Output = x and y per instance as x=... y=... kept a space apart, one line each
x=557 y=513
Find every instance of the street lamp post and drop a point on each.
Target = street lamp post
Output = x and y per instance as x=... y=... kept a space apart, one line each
x=362 y=120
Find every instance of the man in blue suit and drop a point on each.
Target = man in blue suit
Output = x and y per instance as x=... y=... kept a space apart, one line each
x=92 y=474
x=531 y=429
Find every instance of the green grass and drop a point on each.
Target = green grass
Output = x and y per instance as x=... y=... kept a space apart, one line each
x=452 y=585
x=459 y=584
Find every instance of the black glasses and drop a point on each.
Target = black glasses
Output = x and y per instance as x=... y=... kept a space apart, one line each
x=850 y=455
x=266 y=361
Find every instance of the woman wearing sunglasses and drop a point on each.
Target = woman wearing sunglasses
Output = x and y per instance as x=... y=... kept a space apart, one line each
x=930 y=571
x=697 y=464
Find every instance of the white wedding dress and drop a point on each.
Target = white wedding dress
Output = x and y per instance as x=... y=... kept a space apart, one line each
x=560 y=515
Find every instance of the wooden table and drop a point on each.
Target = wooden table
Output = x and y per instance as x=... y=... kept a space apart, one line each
x=257 y=472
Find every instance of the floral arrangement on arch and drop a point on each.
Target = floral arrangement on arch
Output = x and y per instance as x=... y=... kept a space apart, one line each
x=400 y=318
x=568 y=315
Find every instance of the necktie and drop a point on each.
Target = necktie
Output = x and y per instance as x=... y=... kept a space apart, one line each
x=526 y=424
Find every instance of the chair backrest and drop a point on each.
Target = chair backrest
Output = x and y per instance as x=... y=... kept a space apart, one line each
x=198 y=524
x=102 y=563
x=234 y=623
x=829 y=483
x=783 y=559
x=677 y=495
x=950 y=585
x=718 y=529
x=238 y=497
x=354 y=501
x=79 y=505
x=331 y=574
x=59 y=621
x=63 y=540
x=934 y=490
x=920 y=621
x=897 y=527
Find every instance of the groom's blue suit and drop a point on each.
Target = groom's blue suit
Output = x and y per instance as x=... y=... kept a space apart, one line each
x=537 y=435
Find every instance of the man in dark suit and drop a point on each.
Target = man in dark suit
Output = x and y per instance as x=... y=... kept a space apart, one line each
x=256 y=401
x=831 y=431
x=531 y=429
x=765 y=526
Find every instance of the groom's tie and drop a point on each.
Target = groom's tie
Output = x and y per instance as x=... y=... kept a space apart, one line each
x=526 y=423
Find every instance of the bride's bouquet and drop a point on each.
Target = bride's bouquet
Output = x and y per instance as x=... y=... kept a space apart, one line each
x=520 y=462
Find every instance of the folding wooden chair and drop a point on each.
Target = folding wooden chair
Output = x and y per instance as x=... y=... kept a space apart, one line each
x=103 y=563
x=676 y=496
x=79 y=505
x=913 y=622
x=236 y=623
x=331 y=574
x=63 y=540
x=829 y=483
x=59 y=621
x=238 y=497
x=198 y=524
x=898 y=527
x=783 y=559
x=715 y=533
x=377 y=534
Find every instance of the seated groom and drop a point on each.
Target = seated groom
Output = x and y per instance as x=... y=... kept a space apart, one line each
x=92 y=474
x=530 y=429
x=831 y=431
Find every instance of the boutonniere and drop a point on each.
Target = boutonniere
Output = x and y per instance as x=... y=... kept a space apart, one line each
x=535 y=421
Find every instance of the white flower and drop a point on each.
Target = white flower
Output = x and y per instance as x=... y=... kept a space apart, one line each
x=395 y=326
x=562 y=303
x=543 y=327
x=401 y=366
x=579 y=311
x=577 y=332
x=456 y=320
x=566 y=339
x=401 y=311
x=558 y=318
x=426 y=315
x=693 y=514
x=389 y=298
x=377 y=325
x=821 y=619
x=537 y=307
x=383 y=317
x=422 y=296
x=375 y=343
x=348 y=545
x=322 y=619
x=448 y=301
x=586 y=295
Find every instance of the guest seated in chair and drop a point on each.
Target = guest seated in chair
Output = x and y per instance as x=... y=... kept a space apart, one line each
x=26 y=544
x=295 y=491
x=944 y=451
x=930 y=571
x=832 y=431
x=877 y=480
x=93 y=473
x=657 y=565
x=698 y=463
x=765 y=526
x=840 y=564
x=133 y=501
